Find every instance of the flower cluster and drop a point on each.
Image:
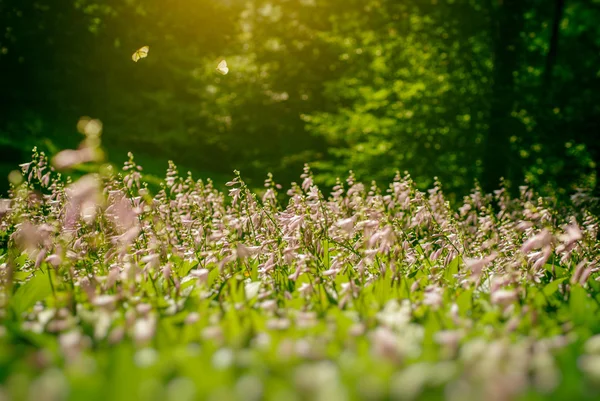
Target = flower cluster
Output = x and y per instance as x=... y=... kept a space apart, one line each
x=365 y=292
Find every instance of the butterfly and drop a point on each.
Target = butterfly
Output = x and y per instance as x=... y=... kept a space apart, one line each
x=140 y=53
x=222 y=68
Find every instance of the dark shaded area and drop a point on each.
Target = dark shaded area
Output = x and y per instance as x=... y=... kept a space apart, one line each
x=461 y=89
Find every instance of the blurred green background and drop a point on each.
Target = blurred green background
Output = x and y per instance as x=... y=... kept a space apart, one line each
x=458 y=89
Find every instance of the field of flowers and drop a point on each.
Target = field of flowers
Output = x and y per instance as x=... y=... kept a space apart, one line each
x=111 y=290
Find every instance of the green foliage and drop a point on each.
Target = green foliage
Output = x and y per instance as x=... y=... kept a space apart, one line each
x=438 y=88
x=33 y=290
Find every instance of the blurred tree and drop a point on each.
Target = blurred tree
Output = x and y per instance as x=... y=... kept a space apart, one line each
x=553 y=46
x=507 y=21
x=459 y=89
x=556 y=94
x=412 y=91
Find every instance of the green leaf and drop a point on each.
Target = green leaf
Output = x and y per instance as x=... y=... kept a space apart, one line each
x=582 y=307
x=464 y=301
x=452 y=268
x=551 y=288
x=555 y=269
x=432 y=326
x=167 y=332
x=183 y=268
x=36 y=289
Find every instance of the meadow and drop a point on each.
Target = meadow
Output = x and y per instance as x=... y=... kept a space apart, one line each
x=111 y=289
x=403 y=203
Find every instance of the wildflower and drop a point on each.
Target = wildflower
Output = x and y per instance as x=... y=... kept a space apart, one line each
x=524 y=225
x=145 y=357
x=316 y=378
x=71 y=343
x=223 y=358
x=504 y=297
x=116 y=335
x=306 y=319
x=104 y=300
x=357 y=329
x=25 y=167
x=590 y=365
x=572 y=234
x=449 y=338
x=243 y=251
x=192 y=318
x=541 y=239
x=212 y=333
x=394 y=315
x=592 y=345
x=385 y=344
x=306 y=288
x=477 y=265
x=200 y=274
x=66 y=159
x=540 y=258
x=144 y=328
x=436 y=254
x=585 y=275
x=347 y=224
x=578 y=271
x=269 y=305
x=433 y=297
x=278 y=324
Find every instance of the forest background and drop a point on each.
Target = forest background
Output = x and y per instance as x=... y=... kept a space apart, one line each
x=462 y=90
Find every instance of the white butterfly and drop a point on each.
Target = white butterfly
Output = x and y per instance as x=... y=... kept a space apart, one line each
x=222 y=68
x=140 y=53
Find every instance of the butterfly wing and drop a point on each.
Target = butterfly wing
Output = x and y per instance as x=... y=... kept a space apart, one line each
x=140 y=53
x=222 y=68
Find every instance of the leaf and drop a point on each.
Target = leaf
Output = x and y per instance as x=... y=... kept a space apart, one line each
x=490 y=317
x=36 y=289
x=582 y=307
x=184 y=268
x=552 y=287
x=452 y=268
x=555 y=269
x=236 y=290
x=326 y=256
x=464 y=301
x=21 y=276
x=431 y=326
x=382 y=289
x=167 y=332
x=23 y=336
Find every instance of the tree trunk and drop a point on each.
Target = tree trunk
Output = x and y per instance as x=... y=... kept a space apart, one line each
x=553 y=49
x=507 y=24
